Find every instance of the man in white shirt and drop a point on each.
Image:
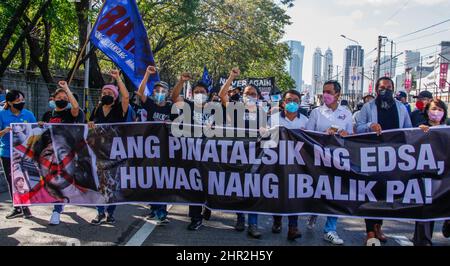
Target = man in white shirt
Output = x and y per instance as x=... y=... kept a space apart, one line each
x=290 y=117
x=332 y=119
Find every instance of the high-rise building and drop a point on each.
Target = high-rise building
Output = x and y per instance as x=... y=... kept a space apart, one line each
x=386 y=67
x=328 y=65
x=353 y=70
x=295 y=65
x=445 y=52
x=317 y=71
x=412 y=59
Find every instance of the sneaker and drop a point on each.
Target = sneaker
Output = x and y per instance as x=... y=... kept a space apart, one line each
x=206 y=214
x=99 y=219
x=55 y=218
x=276 y=228
x=110 y=219
x=253 y=231
x=333 y=238
x=151 y=215
x=162 y=220
x=240 y=225
x=446 y=229
x=15 y=213
x=312 y=222
x=27 y=213
x=195 y=225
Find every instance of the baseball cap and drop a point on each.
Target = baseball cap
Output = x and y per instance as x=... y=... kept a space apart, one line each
x=424 y=94
x=401 y=94
x=162 y=84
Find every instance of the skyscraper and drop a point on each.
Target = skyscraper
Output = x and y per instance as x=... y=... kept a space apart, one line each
x=412 y=59
x=328 y=65
x=353 y=69
x=295 y=65
x=317 y=71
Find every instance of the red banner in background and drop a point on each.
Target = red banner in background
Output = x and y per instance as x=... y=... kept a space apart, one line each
x=443 y=76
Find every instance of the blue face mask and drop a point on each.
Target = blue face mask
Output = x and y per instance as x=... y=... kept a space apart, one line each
x=51 y=105
x=275 y=98
x=159 y=97
x=292 y=107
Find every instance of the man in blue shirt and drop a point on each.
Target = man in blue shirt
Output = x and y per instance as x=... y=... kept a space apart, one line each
x=13 y=112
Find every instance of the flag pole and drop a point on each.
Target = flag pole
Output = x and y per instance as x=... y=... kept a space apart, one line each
x=79 y=56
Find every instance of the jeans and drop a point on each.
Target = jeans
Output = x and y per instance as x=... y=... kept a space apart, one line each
x=159 y=209
x=252 y=218
x=330 y=225
x=58 y=208
x=292 y=220
x=110 y=209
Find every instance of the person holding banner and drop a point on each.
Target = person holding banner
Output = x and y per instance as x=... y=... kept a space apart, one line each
x=291 y=118
x=197 y=116
x=435 y=115
x=158 y=108
x=13 y=112
x=383 y=113
x=332 y=119
x=110 y=110
x=253 y=116
x=67 y=111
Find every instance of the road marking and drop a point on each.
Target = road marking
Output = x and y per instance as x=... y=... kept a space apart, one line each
x=144 y=232
x=402 y=240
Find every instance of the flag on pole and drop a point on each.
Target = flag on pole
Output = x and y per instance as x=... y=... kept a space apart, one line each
x=120 y=33
x=206 y=79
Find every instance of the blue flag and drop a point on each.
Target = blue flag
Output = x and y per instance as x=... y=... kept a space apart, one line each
x=206 y=79
x=120 y=33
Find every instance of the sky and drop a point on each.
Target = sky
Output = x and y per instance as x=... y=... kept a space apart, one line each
x=319 y=23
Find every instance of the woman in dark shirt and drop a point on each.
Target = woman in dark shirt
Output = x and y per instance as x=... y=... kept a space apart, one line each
x=63 y=113
x=110 y=110
x=435 y=115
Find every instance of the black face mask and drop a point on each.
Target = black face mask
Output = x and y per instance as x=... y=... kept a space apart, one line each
x=385 y=99
x=61 y=104
x=19 y=106
x=107 y=100
x=235 y=98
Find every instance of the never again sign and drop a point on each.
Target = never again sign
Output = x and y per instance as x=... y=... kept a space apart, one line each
x=402 y=174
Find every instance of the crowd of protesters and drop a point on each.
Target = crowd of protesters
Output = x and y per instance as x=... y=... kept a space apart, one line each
x=377 y=113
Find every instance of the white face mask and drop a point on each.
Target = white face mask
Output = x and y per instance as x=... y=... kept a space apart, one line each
x=200 y=98
x=250 y=101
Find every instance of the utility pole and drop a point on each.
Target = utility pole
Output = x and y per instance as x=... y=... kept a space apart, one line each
x=380 y=43
x=390 y=67
x=420 y=75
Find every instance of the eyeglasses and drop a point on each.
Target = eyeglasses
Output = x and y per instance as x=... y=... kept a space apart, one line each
x=288 y=100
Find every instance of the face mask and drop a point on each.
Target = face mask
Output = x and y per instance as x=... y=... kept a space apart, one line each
x=420 y=106
x=250 y=101
x=51 y=105
x=435 y=116
x=386 y=95
x=159 y=97
x=107 y=100
x=19 y=106
x=200 y=98
x=275 y=98
x=235 y=98
x=292 y=107
x=61 y=104
x=328 y=98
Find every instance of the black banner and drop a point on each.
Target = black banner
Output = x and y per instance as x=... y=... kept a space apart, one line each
x=401 y=174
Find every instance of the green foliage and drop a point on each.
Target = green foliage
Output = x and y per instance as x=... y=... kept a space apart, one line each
x=184 y=34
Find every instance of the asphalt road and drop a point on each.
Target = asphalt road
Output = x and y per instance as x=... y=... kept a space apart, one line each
x=132 y=228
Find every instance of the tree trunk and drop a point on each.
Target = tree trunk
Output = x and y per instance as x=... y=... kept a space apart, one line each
x=26 y=31
x=12 y=24
x=95 y=75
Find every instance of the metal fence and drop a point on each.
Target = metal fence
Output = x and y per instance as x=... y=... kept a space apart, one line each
x=37 y=95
